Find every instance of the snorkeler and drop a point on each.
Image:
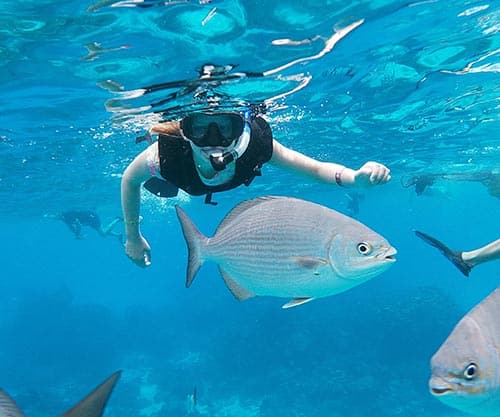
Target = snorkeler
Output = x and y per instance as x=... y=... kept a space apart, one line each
x=420 y=182
x=208 y=152
x=464 y=260
x=490 y=179
x=75 y=219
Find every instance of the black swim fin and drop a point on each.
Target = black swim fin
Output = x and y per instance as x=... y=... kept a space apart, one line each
x=452 y=255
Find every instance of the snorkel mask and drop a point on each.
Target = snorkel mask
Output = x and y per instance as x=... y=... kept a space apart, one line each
x=218 y=130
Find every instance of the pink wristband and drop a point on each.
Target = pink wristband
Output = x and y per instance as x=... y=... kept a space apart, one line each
x=338 y=176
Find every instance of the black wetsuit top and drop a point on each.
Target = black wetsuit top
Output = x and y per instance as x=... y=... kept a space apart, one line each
x=177 y=164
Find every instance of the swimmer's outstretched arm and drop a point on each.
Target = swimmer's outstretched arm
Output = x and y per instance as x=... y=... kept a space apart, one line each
x=136 y=246
x=371 y=173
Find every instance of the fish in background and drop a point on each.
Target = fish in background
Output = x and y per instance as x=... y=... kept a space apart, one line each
x=192 y=402
x=91 y=406
x=353 y=199
x=466 y=368
x=287 y=247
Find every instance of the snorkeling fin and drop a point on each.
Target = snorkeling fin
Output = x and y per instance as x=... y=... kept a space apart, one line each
x=453 y=256
x=161 y=188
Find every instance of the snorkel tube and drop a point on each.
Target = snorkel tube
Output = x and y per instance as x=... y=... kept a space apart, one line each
x=222 y=160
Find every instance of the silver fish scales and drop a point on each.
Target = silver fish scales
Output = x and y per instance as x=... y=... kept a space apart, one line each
x=287 y=247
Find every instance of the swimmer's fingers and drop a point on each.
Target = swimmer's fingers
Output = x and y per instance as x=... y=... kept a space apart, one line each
x=144 y=261
x=147 y=258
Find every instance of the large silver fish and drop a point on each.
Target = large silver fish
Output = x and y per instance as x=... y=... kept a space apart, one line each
x=466 y=368
x=286 y=247
x=91 y=406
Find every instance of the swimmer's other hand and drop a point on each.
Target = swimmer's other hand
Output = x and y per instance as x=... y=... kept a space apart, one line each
x=139 y=252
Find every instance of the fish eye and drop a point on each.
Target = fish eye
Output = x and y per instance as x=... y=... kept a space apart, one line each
x=470 y=371
x=364 y=248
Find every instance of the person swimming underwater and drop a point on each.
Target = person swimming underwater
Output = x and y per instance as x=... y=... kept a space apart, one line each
x=75 y=219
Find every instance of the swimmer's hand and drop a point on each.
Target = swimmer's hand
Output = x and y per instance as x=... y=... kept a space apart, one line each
x=371 y=173
x=138 y=251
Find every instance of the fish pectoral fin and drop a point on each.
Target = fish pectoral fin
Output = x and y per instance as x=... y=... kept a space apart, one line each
x=236 y=289
x=297 y=302
x=310 y=262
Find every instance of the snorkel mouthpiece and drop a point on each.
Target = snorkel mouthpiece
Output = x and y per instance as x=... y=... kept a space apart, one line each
x=221 y=161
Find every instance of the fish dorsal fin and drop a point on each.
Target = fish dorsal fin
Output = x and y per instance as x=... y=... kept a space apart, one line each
x=94 y=403
x=242 y=207
x=236 y=289
x=8 y=408
x=297 y=302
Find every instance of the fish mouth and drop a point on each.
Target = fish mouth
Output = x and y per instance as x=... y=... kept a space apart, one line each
x=440 y=390
x=439 y=387
x=388 y=255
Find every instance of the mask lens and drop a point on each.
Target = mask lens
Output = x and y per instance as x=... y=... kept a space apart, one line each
x=218 y=129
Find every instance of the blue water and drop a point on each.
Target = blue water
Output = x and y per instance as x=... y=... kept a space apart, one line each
x=415 y=87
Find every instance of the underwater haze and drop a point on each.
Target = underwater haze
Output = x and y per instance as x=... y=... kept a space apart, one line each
x=415 y=86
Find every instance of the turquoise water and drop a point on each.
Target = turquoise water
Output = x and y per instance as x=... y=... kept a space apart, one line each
x=414 y=87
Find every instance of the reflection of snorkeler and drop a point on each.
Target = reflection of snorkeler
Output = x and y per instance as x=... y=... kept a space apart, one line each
x=211 y=76
x=291 y=42
x=143 y=4
x=75 y=219
x=490 y=179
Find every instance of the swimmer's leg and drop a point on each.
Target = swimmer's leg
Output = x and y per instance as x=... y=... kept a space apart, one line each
x=108 y=230
x=453 y=256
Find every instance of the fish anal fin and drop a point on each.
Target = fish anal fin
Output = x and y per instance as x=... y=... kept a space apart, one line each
x=236 y=289
x=8 y=407
x=310 y=262
x=297 y=302
x=94 y=403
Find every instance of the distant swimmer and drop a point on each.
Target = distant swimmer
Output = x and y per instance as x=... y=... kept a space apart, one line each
x=91 y=406
x=75 y=219
x=465 y=261
x=466 y=368
x=490 y=179
x=421 y=182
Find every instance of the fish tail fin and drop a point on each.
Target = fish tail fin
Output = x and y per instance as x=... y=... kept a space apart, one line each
x=195 y=241
x=94 y=403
